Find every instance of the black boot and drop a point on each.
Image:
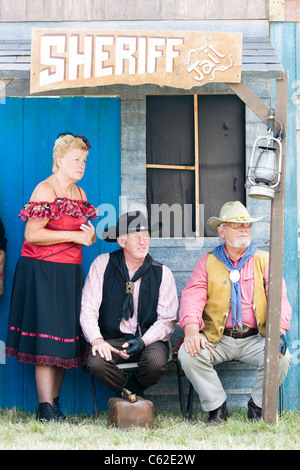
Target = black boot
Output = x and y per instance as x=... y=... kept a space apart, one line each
x=254 y=411
x=57 y=409
x=218 y=415
x=46 y=412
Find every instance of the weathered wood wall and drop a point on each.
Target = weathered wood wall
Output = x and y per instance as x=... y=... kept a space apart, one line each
x=124 y=10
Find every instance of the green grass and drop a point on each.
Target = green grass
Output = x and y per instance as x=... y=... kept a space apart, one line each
x=19 y=430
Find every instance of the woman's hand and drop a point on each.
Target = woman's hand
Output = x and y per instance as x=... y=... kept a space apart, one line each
x=87 y=234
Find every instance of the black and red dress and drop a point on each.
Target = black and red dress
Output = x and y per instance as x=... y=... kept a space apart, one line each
x=43 y=324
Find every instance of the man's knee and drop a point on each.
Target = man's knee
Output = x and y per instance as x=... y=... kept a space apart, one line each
x=152 y=364
x=106 y=372
x=187 y=361
x=184 y=357
x=155 y=356
x=95 y=364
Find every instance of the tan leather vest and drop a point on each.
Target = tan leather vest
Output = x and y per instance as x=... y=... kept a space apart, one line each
x=218 y=303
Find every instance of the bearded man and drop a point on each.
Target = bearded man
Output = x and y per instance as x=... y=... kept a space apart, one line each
x=223 y=313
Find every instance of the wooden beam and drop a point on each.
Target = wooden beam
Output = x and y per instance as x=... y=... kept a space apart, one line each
x=170 y=167
x=270 y=388
x=250 y=99
x=4 y=83
x=196 y=140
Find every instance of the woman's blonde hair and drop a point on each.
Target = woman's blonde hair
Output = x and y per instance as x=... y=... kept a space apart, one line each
x=64 y=144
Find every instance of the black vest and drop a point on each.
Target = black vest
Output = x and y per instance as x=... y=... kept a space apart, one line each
x=114 y=294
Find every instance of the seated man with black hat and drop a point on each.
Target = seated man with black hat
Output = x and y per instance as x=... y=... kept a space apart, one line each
x=129 y=309
x=223 y=313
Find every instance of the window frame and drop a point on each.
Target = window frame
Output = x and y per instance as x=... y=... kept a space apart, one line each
x=198 y=212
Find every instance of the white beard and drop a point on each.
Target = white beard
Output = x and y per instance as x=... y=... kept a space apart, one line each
x=239 y=244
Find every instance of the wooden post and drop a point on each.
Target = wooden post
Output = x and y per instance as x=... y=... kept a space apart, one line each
x=270 y=388
x=196 y=128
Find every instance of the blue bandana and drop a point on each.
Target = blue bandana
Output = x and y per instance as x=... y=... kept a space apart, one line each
x=236 y=297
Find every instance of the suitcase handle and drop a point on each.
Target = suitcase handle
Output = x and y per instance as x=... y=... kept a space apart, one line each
x=129 y=396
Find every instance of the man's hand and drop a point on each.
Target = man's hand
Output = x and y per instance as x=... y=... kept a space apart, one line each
x=193 y=340
x=132 y=347
x=282 y=345
x=103 y=348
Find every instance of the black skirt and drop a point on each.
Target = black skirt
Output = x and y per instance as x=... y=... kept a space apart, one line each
x=43 y=324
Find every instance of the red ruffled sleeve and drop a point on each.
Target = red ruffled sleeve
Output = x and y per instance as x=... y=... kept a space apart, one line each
x=54 y=210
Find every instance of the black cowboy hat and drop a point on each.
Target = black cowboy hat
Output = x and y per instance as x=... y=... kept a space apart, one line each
x=128 y=223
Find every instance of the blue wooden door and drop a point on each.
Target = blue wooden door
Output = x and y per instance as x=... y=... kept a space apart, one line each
x=28 y=129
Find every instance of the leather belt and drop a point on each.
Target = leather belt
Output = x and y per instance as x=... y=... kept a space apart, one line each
x=240 y=334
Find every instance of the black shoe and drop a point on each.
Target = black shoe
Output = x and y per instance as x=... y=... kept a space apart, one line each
x=254 y=411
x=218 y=415
x=46 y=412
x=57 y=409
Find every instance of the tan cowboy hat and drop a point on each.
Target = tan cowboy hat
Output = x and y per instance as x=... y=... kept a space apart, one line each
x=233 y=211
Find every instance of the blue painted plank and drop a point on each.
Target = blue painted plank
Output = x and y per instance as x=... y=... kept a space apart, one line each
x=103 y=185
x=37 y=161
x=283 y=34
x=36 y=167
x=297 y=81
x=110 y=143
x=11 y=134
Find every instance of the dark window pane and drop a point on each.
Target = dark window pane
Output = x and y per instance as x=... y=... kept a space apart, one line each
x=221 y=153
x=170 y=130
x=171 y=193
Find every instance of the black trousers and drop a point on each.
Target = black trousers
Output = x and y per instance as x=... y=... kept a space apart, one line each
x=152 y=363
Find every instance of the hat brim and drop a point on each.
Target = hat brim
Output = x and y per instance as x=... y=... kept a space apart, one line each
x=214 y=222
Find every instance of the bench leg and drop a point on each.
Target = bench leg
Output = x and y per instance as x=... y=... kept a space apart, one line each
x=189 y=407
x=180 y=388
x=94 y=395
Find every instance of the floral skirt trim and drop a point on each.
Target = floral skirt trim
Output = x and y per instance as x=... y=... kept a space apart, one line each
x=43 y=360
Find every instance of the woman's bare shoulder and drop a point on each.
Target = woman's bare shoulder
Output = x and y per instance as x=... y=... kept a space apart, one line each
x=82 y=193
x=43 y=192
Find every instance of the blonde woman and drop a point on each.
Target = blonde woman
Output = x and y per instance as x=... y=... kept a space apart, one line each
x=43 y=327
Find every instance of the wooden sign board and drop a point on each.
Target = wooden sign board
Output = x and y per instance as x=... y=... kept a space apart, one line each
x=70 y=58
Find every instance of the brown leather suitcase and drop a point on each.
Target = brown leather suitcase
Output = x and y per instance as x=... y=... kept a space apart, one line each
x=130 y=411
